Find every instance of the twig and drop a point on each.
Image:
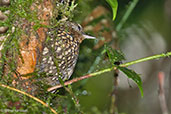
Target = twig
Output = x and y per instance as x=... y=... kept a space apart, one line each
x=113 y=107
x=162 y=98
x=24 y=93
x=73 y=80
x=146 y=59
x=110 y=69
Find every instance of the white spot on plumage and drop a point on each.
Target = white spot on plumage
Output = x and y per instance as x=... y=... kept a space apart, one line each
x=60 y=56
x=66 y=52
x=64 y=37
x=59 y=35
x=71 y=38
x=69 y=58
x=63 y=45
x=58 y=49
x=69 y=50
x=44 y=59
x=54 y=78
x=70 y=71
x=62 y=62
x=50 y=71
x=52 y=63
x=50 y=58
x=45 y=51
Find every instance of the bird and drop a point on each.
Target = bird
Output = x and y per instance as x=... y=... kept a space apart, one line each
x=60 y=52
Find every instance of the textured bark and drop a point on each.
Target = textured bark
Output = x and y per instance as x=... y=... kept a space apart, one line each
x=31 y=42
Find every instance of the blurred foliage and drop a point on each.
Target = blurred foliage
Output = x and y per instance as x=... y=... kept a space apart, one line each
x=94 y=93
x=98 y=89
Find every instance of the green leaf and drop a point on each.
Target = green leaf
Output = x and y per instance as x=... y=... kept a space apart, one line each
x=61 y=81
x=114 y=55
x=134 y=76
x=114 y=5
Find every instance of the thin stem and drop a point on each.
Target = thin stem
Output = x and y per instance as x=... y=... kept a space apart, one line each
x=80 y=78
x=126 y=15
x=24 y=93
x=110 y=69
x=146 y=59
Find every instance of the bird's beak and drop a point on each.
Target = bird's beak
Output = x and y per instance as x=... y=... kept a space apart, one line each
x=88 y=37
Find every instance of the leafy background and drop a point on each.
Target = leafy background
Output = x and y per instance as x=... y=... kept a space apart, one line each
x=145 y=33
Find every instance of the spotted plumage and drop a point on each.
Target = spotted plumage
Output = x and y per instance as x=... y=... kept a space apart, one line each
x=61 y=51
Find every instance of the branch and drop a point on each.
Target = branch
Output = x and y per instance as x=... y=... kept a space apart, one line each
x=24 y=93
x=80 y=78
x=146 y=59
x=110 y=69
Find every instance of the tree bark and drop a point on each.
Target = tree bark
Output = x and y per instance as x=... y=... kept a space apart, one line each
x=31 y=43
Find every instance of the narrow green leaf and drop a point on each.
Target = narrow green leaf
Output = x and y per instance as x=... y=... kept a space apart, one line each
x=114 y=5
x=134 y=76
x=61 y=81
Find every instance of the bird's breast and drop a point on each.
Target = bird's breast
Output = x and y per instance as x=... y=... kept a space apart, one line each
x=59 y=57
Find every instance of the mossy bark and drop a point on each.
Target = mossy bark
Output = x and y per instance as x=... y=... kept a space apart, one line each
x=31 y=42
